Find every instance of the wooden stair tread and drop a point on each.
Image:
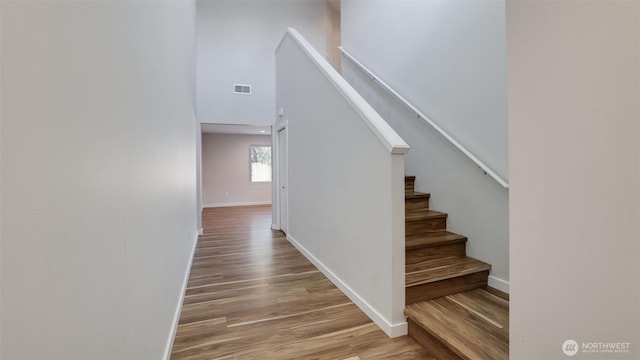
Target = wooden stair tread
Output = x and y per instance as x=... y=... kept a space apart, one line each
x=433 y=238
x=424 y=215
x=443 y=268
x=416 y=195
x=473 y=324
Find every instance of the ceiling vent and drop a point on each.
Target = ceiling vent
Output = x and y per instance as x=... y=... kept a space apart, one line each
x=242 y=89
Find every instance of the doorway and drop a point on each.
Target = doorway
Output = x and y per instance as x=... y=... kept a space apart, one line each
x=283 y=176
x=225 y=169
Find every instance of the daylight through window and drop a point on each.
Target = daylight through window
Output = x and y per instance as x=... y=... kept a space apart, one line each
x=260 y=163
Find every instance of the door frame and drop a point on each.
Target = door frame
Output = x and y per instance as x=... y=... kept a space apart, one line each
x=277 y=183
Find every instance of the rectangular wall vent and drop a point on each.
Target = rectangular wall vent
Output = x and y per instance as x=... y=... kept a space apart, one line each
x=241 y=89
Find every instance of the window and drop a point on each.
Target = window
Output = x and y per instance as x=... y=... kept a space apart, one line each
x=260 y=157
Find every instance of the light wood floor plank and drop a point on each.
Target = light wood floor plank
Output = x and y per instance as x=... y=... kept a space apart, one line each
x=252 y=295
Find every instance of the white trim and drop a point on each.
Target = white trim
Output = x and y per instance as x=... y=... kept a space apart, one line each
x=280 y=124
x=245 y=203
x=426 y=119
x=499 y=284
x=389 y=138
x=392 y=330
x=178 y=311
x=397 y=245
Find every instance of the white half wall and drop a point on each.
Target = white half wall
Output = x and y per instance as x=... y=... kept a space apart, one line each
x=345 y=184
x=235 y=46
x=226 y=178
x=98 y=176
x=574 y=139
x=416 y=56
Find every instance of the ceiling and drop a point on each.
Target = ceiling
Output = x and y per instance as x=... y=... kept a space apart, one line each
x=235 y=129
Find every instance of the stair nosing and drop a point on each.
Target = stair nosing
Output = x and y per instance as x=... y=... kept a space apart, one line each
x=482 y=268
x=416 y=195
x=453 y=238
x=425 y=215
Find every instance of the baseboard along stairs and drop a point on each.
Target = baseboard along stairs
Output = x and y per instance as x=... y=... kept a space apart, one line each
x=450 y=309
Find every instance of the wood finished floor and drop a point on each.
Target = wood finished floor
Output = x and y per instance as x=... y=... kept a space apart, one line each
x=252 y=295
x=475 y=323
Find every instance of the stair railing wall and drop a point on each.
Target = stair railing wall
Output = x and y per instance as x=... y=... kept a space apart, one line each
x=345 y=183
x=487 y=170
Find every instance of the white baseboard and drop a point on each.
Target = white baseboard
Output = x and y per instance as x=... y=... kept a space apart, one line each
x=499 y=284
x=176 y=316
x=392 y=330
x=275 y=227
x=246 y=203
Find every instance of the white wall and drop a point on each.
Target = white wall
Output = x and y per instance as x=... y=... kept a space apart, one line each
x=236 y=43
x=574 y=139
x=98 y=176
x=445 y=57
x=226 y=178
x=345 y=187
x=448 y=59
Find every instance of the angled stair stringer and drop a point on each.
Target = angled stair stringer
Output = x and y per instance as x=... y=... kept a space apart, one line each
x=450 y=309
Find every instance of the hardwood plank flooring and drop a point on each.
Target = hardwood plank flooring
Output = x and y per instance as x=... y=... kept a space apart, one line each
x=475 y=323
x=252 y=295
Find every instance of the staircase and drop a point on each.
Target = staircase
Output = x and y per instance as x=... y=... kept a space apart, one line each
x=449 y=307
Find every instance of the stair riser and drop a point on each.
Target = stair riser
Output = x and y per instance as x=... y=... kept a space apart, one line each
x=446 y=287
x=432 y=252
x=424 y=226
x=409 y=185
x=436 y=348
x=416 y=204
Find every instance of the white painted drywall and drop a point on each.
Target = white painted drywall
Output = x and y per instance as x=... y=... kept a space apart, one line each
x=414 y=56
x=236 y=42
x=98 y=176
x=345 y=189
x=445 y=57
x=226 y=178
x=574 y=140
